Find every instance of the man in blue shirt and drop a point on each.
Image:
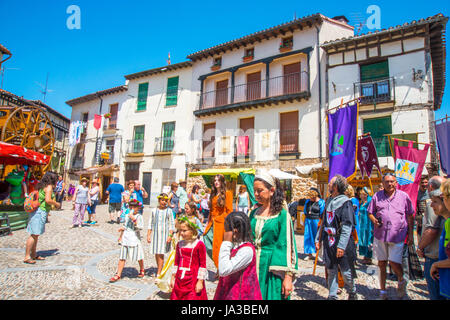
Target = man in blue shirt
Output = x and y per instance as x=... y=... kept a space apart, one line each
x=139 y=194
x=114 y=191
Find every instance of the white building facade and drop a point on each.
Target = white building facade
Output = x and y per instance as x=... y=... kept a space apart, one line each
x=159 y=115
x=399 y=75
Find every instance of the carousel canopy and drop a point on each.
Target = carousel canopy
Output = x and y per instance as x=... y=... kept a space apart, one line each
x=13 y=154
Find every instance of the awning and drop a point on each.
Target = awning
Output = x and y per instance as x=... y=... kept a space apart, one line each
x=94 y=170
x=12 y=154
x=305 y=170
x=277 y=173
x=232 y=173
x=246 y=175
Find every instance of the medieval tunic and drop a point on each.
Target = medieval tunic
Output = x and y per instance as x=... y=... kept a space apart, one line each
x=276 y=251
x=161 y=222
x=237 y=268
x=333 y=221
x=189 y=267
x=216 y=222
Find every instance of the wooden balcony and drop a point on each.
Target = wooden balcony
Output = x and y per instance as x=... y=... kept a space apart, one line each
x=287 y=88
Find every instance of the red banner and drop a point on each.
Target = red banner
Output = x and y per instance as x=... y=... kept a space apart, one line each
x=367 y=156
x=97 y=121
x=409 y=164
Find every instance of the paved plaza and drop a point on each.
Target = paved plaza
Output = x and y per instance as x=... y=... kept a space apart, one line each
x=80 y=261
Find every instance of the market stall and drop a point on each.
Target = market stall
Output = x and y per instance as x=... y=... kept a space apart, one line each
x=237 y=176
x=17 y=179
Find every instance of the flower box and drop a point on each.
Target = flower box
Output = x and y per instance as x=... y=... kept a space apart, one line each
x=247 y=58
x=285 y=48
x=107 y=115
x=215 y=67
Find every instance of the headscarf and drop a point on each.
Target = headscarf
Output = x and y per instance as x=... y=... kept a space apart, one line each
x=267 y=177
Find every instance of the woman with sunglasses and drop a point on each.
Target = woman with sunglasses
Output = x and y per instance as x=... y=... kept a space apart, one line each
x=161 y=227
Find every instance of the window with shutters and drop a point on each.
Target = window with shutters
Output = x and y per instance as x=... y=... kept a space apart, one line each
x=168 y=176
x=209 y=140
x=138 y=142
x=113 y=109
x=289 y=133
x=168 y=136
x=132 y=171
x=172 y=91
x=375 y=85
x=142 y=97
x=378 y=127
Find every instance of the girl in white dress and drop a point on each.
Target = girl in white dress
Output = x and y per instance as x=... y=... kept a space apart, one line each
x=131 y=240
x=161 y=227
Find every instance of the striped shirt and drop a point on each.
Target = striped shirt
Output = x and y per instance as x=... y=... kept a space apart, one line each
x=161 y=222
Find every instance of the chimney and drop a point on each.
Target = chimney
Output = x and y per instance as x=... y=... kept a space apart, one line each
x=342 y=19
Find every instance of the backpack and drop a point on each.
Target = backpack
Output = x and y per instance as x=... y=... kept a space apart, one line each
x=31 y=203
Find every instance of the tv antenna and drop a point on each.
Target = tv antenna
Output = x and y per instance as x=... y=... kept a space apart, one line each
x=2 y=70
x=45 y=89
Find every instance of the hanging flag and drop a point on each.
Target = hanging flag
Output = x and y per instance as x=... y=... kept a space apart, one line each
x=367 y=156
x=242 y=146
x=97 y=121
x=342 y=140
x=443 y=142
x=409 y=164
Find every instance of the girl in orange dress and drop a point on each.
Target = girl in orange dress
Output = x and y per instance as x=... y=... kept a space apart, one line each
x=221 y=204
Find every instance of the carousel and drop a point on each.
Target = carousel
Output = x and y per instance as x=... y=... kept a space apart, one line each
x=26 y=147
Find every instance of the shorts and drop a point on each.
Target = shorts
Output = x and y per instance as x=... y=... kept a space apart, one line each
x=91 y=209
x=115 y=207
x=385 y=251
x=132 y=253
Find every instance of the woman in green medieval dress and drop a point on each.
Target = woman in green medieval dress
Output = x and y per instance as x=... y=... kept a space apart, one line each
x=273 y=232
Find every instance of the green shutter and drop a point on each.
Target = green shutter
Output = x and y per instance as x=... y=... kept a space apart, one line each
x=378 y=127
x=138 y=143
x=142 y=96
x=172 y=91
x=168 y=133
x=375 y=71
x=404 y=136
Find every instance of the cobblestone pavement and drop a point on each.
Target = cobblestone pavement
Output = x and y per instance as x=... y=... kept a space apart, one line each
x=78 y=263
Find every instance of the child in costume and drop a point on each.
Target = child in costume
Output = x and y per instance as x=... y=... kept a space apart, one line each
x=189 y=274
x=161 y=227
x=237 y=261
x=190 y=210
x=131 y=240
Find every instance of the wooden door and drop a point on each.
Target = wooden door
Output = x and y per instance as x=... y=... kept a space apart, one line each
x=209 y=140
x=221 y=93
x=289 y=132
x=291 y=79
x=106 y=181
x=253 y=86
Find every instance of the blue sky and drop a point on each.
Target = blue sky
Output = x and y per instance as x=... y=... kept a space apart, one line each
x=122 y=37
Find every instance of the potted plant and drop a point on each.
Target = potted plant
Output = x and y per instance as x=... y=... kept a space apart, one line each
x=107 y=115
x=286 y=45
x=248 y=57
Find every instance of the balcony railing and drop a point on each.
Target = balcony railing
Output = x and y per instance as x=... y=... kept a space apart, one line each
x=267 y=88
x=289 y=141
x=110 y=124
x=375 y=91
x=135 y=146
x=164 y=144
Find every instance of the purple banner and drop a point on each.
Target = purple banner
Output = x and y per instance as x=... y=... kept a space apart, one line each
x=342 y=135
x=443 y=142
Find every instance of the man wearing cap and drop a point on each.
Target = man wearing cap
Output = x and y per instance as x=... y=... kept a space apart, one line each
x=114 y=191
x=428 y=246
x=182 y=195
x=391 y=212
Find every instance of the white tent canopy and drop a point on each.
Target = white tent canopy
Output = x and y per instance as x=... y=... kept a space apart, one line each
x=277 y=173
x=307 y=169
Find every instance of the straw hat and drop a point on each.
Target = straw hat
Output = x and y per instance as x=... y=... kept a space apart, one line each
x=84 y=179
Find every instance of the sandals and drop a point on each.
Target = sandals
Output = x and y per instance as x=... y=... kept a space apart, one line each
x=38 y=258
x=115 y=278
x=141 y=274
x=29 y=261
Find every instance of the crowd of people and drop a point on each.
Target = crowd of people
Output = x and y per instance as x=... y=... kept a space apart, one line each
x=253 y=246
